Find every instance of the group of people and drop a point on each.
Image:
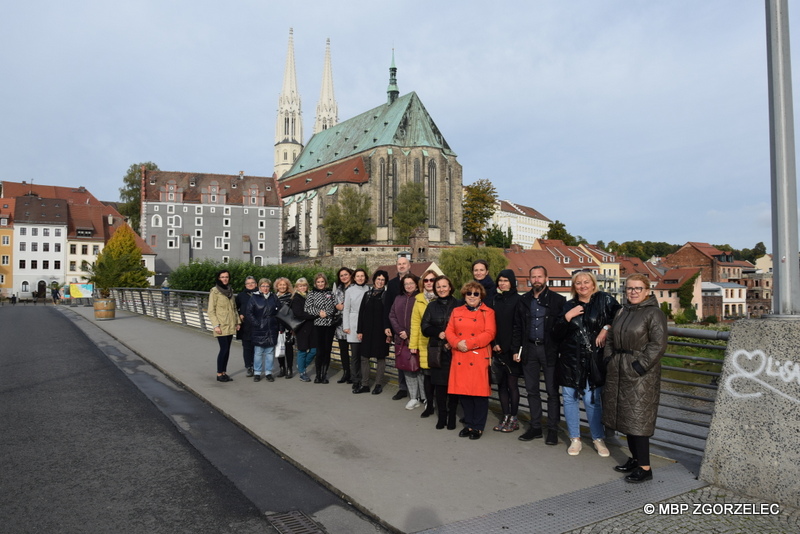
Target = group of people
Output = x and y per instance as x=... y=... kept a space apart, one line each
x=448 y=350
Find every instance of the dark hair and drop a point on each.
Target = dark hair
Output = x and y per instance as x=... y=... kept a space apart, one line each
x=360 y=270
x=220 y=273
x=530 y=271
x=413 y=277
x=473 y=285
x=380 y=272
x=339 y=272
x=449 y=283
x=482 y=262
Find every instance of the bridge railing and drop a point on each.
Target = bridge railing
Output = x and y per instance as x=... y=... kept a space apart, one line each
x=688 y=383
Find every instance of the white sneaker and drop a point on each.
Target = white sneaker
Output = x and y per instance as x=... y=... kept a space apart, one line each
x=413 y=403
x=575 y=447
x=601 y=448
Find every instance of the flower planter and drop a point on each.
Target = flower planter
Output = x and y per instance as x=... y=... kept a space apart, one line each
x=104 y=309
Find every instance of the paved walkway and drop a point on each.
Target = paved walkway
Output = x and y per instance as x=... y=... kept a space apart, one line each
x=398 y=468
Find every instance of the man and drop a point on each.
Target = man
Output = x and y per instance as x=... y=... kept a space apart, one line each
x=393 y=289
x=536 y=314
x=242 y=298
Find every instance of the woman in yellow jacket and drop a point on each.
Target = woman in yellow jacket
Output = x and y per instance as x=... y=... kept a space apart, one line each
x=418 y=341
x=224 y=319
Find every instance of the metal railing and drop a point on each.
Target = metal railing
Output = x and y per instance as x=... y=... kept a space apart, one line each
x=688 y=393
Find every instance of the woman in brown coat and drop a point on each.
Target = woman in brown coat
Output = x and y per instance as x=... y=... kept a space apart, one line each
x=224 y=319
x=634 y=347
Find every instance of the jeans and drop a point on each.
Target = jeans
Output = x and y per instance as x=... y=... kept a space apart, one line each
x=304 y=359
x=263 y=359
x=594 y=411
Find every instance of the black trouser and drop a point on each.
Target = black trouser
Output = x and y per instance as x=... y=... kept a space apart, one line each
x=248 y=351
x=324 y=342
x=535 y=364
x=355 y=363
x=476 y=409
x=224 y=352
x=344 y=355
x=508 y=390
x=640 y=449
x=445 y=404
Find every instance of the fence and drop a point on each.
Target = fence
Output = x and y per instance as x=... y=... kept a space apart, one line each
x=687 y=392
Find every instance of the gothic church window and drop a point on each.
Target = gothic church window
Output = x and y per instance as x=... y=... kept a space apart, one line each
x=432 y=193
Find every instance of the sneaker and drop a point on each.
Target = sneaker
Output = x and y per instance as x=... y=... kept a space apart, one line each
x=304 y=377
x=250 y=372
x=601 y=448
x=575 y=447
x=413 y=403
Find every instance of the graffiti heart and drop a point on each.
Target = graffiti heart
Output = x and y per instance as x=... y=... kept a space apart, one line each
x=754 y=366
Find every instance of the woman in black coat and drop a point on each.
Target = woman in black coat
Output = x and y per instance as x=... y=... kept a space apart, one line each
x=434 y=324
x=504 y=303
x=242 y=298
x=371 y=333
x=262 y=315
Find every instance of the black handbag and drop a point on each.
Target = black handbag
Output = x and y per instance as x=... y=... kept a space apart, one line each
x=597 y=366
x=288 y=317
x=435 y=356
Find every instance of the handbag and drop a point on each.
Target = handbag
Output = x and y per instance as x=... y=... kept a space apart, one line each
x=286 y=315
x=597 y=366
x=280 y=347
x=404 y=359
x=435 y=356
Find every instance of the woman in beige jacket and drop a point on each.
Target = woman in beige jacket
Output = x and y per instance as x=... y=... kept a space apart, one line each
x=224 y=319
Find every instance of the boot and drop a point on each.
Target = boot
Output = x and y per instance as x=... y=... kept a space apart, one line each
x=441 y=421
x=428 y=408
x=502 y=425
x=324 y=378
x=511 y=425
x=451 y=420
x=282 y=364
x=345 y=377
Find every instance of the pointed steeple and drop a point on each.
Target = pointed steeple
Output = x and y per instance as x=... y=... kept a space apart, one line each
x=393 y=91
x=289 y=125
x=327 y=110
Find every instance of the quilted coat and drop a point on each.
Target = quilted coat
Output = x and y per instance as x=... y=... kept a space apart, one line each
x=417 y=339
x=634 y=347
x=262 y=316
x=469 y=371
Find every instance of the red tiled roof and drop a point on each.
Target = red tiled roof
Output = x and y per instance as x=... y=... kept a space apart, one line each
x=633 y=265
x=231 y=185
x=675 y=278
x=571 y=257
x=708 y=250
x=7 y=212
x=73 y=195
x=510 y=207
x=351 y=171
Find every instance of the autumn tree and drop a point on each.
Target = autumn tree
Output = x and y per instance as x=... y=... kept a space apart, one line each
x=347 y=222
x=130 y=194
x=479 y=206
x=457 y=263
x=411 y=211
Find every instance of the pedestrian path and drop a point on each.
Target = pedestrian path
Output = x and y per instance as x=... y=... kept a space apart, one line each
x=392 y=464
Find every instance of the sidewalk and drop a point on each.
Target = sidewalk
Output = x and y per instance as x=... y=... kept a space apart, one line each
x=397 y=467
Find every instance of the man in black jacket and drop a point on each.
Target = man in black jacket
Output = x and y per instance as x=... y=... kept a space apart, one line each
x=536 y=314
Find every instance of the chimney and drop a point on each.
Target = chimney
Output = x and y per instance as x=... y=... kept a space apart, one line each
x=241 y=175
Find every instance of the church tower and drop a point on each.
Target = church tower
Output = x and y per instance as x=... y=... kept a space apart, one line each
x=327 y=110
x=289 y=125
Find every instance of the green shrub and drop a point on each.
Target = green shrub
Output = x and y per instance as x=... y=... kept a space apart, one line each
x=200 y=275
x=711 y=319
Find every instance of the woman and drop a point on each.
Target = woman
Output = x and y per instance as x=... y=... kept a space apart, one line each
x=470 y=333
x=321 y=305
x=418 y=340
x=304 y=333
x=262 y=315
x=634 y=347
x=374 y=342
x=480 y=272
x=242 y=298
x=222 y=314
x=434 y=324
x=352 y=305
x=583 y=330
x=283 y=290
x=508 y=371
x=400 y=319
x=345 y=277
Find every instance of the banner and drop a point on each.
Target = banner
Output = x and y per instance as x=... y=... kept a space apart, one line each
x=81 y=291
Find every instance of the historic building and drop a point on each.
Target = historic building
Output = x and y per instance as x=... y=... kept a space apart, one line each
x=526 y=224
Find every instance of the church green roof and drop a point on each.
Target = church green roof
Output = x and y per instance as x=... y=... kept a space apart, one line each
x=404 y=123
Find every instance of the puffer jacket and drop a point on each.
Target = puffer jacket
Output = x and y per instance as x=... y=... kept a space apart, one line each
x=418 y=340
x=576 y=349
x=262 y=315
x=634 y=347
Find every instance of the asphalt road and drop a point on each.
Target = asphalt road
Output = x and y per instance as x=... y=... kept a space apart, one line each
x=83 y=449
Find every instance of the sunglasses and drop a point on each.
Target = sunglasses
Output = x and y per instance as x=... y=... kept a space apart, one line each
x=472 y=294
x=429 y=280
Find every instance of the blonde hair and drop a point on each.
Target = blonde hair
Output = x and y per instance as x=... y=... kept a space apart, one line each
x=640 y=277
x=578 y=274
x=283 y=279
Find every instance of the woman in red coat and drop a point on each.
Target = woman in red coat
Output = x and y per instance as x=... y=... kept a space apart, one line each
x=470 y=332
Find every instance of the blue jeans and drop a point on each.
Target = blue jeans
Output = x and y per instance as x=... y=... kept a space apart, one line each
x=263 y=359
x=594 y=411
x=304 y=359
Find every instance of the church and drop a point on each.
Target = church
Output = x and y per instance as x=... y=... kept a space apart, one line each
x=376 y=152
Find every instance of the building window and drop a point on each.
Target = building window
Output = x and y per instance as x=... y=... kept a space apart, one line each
x=213 y=199
x=25 y=286
x=22 y=246
x=34 y=264
x=34 y=247
x=72 y=266
x=95 y=249
x=225 y=259
x=57 y=264
x=261 y=246
x=226 y=222
x=2 y=279
x=272 y=212
x=253 y=200
x=155 y=208
x=262 y=224
x=84 y=250
x=152 y=240
x=198 y=244
x=156 y=221
x=198 y=233
x=198 y=210
x=46 y=232
x=432 y=190
x=246 y=211
x=262 y=212
x=21 y=264
x=198 y=221
x=218 y=242
x=172 y=243
x=23 y=231
x=226 y=211
x=262 y=236
x=258 y=260
x=5 y=260
x=73 y=249
x=226 y=246
x=6 y=240
x=212 y=210
x=45 y=264
x=57 y=247
x=170 y=209
x=171 y=196
x=170 y=232
x=175 y=221
x=45 y=247
x=34 y=231
x=226 y=234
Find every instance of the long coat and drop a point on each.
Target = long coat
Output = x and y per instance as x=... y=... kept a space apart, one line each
x=634 y=347
x=352 y=305
x=469 y=371
x=262 y=315
x=242 y=298
x=370 y=325
x=434 y=322
x=417 y=339
x=505 y=306
x=303 y=333
x=222 y=312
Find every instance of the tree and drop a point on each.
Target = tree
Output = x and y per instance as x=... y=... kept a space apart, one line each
x=119 y=265
x=457 y=263
x=130 y=194
x=496 y=237
x=559 y=231
x=479 y=206
x=411 y=211
x=348 y=221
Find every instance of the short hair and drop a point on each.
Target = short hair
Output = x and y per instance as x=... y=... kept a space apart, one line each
x=253 y=278
x=472 y=285
x=640 y=277
x=588 y=274
x=360 y=270
x=221 y=272
x=449 y=283
x=530 y=271
x=480 y=262
x=409 y=275
x=265 y=281
x=380 y=272
x=300 y=280
x=422 y=283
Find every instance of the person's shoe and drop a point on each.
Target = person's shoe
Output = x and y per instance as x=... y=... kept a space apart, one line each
x=600 y=447
x=270 y=378
x=451 y=421
x=552 y=437
x=289 y=374
x=317 y=379
x=224 y=378
x=282 y=373
x=304 y=377
x=502 y=424
x=511 y=425
x=325 y=380
x=465 y=432
x=401 y=394
x=575 y=447
x=627 y=467
x=344 y=378
x=257 y=378
x=530 y=434
x=639 y=475
x=476 y=434
x=361 y=389
x=441 y=423
x=250 y=372
x=377 y=390
x=413 y=403
x=428 y=410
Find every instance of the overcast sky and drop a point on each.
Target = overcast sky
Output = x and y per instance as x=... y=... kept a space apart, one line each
x=623 y=119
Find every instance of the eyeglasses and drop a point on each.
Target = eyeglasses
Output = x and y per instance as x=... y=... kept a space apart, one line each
x=634 y=289
x=429 y=280
x=472 y=294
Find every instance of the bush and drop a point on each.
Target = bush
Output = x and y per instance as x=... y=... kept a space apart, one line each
x=711 y=319
x=201 y=275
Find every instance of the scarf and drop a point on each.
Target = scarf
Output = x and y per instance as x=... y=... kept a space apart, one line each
x=225 y=289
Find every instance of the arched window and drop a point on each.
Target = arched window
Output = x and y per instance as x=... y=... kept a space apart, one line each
x=432 y=193
x=156 y=221
x=383 y=192
x=258 y=260
x=25 y=287
x=394 y=185
x=417 y=171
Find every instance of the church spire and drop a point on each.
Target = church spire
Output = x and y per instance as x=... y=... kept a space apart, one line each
x=393 y=91
x=289 y=125
x=327 y=110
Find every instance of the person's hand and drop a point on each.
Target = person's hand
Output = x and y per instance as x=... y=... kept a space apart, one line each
x=403 y=335
x=574 y=312
x=462 y=345
x=388 y=332
x=217 y=330
x=238 y=326
x=442 y=335
x=322 y=314
x=340 y=307
x=601 y=338
x=347 y=331
x=412 y=351
x=497 y=348
x=361 y=337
